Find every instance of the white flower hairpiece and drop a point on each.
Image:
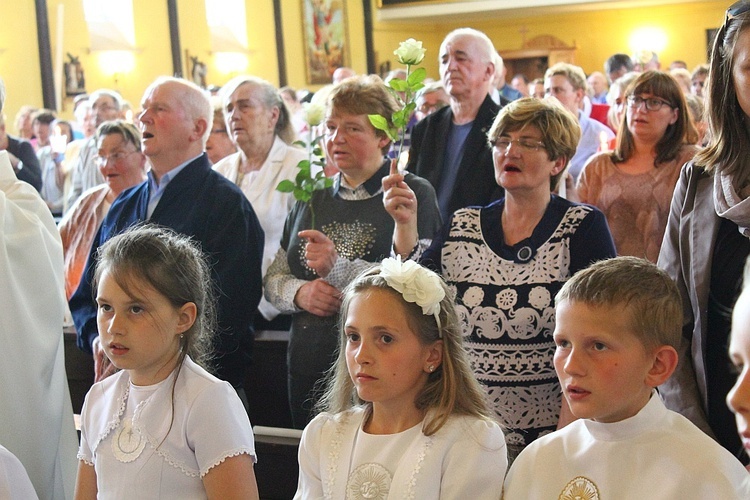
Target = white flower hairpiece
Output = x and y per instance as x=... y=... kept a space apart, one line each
x=416 y=284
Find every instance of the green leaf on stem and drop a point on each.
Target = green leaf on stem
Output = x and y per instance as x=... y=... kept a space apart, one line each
x=398 y=84
x=285 y=186
x=416 y=78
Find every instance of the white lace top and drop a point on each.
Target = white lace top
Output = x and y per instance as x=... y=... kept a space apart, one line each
x=129 y=442
x=466 y=458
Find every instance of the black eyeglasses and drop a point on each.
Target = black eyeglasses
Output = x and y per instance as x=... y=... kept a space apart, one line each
x=736 y=9
x=651 y=103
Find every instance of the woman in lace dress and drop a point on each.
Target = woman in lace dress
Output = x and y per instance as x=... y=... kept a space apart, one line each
x=508 y=260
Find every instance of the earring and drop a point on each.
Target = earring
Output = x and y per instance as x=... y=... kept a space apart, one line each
x=431 y=368
x=182 y=336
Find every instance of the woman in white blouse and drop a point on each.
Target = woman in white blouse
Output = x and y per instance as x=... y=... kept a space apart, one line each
x=259 y=124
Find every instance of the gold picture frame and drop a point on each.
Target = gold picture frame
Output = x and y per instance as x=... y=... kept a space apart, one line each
x=325 y=38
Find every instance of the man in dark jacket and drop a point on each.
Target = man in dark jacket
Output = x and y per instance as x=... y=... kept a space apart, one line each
x=449 y=148
x=182 y=192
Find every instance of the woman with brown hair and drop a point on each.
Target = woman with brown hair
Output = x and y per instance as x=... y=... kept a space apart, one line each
x=633 y=184
x=351 y=231
x=708 y=238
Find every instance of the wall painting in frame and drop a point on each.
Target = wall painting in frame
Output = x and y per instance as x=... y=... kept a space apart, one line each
x=325 y=38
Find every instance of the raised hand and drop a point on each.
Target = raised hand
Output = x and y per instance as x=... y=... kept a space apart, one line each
x=398 y=198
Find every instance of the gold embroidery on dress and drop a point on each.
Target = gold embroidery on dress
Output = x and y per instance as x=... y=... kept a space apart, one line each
x=580 y=488
x=369 y=481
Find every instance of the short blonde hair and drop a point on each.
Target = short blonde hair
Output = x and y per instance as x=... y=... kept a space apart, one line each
x=559 y=128
x=644 y=291
x=573 y=73
x=364 y=95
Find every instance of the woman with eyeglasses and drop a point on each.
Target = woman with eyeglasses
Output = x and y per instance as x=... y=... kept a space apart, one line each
x=507 y=261
x=706 y=241
x=633 y=184
x=123 y=165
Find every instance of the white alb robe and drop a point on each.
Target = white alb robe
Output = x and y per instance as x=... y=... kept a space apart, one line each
x=36 y=416
x=655 y=454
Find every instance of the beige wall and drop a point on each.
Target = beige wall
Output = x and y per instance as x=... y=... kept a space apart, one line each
x=597 y=34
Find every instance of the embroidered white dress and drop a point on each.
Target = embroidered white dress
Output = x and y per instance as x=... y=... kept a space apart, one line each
x=465 y=459
x=655 y=454
x=123 y=431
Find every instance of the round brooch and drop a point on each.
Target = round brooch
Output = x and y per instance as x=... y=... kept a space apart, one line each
x=525 y=254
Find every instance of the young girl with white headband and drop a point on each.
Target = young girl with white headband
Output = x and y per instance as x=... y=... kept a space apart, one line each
x=403 y=416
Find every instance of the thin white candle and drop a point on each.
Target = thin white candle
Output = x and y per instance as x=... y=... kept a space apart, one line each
x=603 y=142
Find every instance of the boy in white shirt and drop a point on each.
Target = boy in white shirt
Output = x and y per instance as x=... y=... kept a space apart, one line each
x=618 y=324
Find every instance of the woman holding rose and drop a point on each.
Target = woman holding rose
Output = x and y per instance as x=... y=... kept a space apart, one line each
x=352 y=230
x=508 y=260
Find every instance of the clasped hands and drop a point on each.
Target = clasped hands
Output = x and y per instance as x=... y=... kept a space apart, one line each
x=319 y=297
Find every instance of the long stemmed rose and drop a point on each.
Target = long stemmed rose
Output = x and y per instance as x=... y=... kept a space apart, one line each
x=409 y=53
x=305 y=184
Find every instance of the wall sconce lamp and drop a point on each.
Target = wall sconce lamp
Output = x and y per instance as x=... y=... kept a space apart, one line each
x=648 y=39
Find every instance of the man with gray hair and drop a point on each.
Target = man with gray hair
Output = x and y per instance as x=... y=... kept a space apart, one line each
x=183 y=193
x=449 y=148
x=106 y=105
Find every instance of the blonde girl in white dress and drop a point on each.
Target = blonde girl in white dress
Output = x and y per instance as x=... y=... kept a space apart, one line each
x=403 y=416
x=162 y=427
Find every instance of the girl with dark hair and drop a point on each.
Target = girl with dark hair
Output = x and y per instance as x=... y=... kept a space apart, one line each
x=163 y=427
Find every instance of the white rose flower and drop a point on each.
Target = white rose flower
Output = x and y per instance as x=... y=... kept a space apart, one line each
x=410 y=52
x=415 y=283
x=313 y=113
x=426 y=291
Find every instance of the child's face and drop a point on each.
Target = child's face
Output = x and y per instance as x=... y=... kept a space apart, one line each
x=738 y=398
x=603 y=368
x=141 y=336
x=387 y=362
